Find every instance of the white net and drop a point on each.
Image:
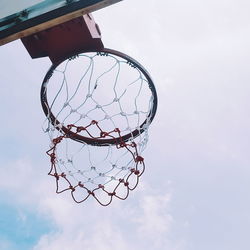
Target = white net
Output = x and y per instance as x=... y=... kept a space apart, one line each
x=97 y=99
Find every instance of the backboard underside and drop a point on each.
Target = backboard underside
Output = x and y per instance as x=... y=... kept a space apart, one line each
x=43 y=15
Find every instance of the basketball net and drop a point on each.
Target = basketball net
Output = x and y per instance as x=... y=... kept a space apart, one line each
x=99 y=106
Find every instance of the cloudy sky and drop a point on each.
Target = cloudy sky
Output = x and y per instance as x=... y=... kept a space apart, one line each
x=194 y=194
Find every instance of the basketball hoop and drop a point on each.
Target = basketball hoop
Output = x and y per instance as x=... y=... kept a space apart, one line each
x=98 y=98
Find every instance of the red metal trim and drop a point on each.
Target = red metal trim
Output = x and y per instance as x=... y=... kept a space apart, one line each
x=63 y=40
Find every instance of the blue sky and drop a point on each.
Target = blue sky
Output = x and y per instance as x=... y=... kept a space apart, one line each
x=195 y=192
x=18 y=224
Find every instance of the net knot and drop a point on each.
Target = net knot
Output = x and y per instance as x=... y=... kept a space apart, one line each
x=91 y=192
x=79 y=129
x=52 y=158
x=117 y=130
x=72 y=188
x=56 y=176
x=131 y=64
x=112 y=194
x=101 y=186
x=139 y=159
x=102 y=53
x=136 y=172
x=57 y=140
x=72 y=57
x=63 y=174
x=70 y=126
x=94 y=122
x=104 y=134
x=122 y=144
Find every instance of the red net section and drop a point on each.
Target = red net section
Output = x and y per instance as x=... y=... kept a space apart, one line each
x=114 y=177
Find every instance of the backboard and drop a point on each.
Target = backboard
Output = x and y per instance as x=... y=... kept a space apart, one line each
x=23 y=18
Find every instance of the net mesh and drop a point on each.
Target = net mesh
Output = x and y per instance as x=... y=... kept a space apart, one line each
x=105 y=173
x=98 y=99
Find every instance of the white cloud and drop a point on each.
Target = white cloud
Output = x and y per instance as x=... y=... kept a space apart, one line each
x=155 y=215
x=88 y=225
x=99 y=236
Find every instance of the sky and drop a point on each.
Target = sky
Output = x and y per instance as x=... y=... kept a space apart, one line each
x=194 y=193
